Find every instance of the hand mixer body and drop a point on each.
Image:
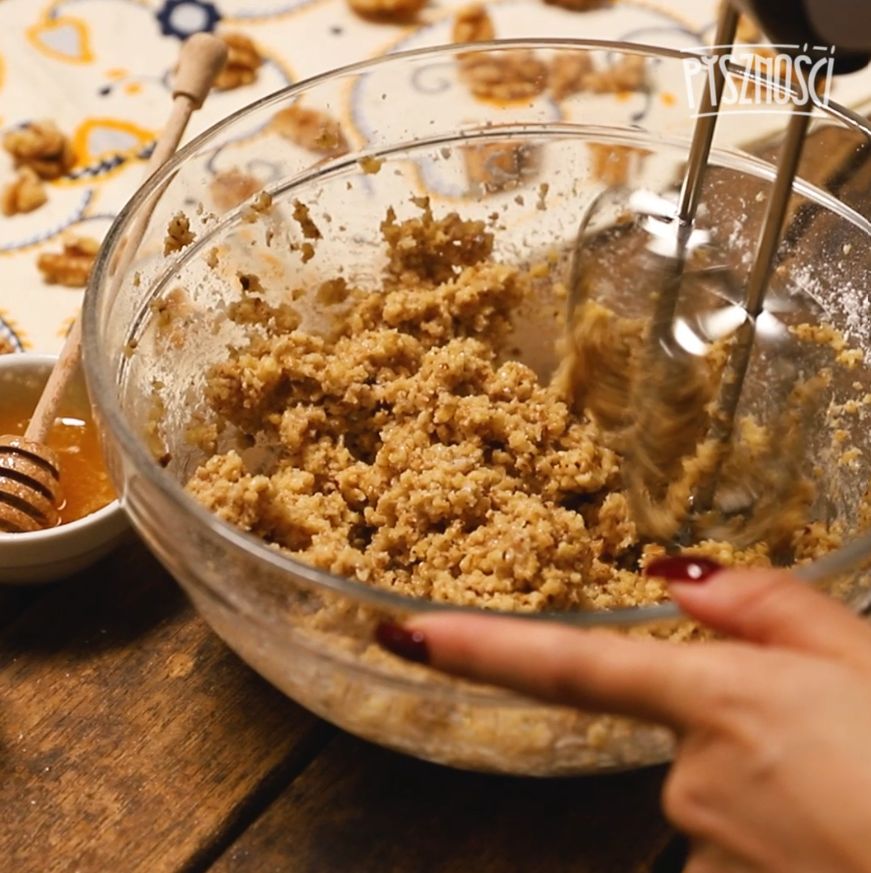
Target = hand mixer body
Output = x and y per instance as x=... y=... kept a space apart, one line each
x=844 y=25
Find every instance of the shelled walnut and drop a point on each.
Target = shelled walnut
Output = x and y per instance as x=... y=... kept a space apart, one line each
x=24 y=194
x=71 y=267
x=311 y=129
x=629 y=73
x=509 y=75
x=40 y=146
x=473 y=24
x=387 y=9
x=581 y=5
x=575 y=72
x=569 y=71
x=243 y=62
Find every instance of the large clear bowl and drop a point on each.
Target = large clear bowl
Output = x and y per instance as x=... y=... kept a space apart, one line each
x=487 y=156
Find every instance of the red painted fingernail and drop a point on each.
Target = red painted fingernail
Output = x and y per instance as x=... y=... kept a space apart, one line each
x=683 y=568
x=408 y=644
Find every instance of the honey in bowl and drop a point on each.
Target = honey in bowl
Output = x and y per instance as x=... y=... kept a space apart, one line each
x=85 y=485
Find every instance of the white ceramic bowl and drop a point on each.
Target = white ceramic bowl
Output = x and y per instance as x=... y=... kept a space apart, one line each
x=52 y=554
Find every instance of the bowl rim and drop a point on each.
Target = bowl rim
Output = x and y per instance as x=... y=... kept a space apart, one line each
x=99 y=373
x=80 y=525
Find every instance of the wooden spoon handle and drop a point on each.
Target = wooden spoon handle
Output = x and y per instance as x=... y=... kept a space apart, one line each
x=200 y=60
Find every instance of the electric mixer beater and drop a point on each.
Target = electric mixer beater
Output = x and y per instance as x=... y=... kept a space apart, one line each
x=674 y=415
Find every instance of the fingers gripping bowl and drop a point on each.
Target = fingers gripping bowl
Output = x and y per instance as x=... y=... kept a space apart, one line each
x=235 y=295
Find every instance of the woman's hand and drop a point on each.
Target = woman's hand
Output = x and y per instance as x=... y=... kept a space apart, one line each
x=773 y=767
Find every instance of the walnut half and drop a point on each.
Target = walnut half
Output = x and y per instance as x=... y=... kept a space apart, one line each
x=71 y=267
x=473 y=24
x=581 y=5
x=24 y=194
x=243 y=62
x=40 y=146
x=572 y=74
x=511 y=75
x=387 y=9
x=311 y=129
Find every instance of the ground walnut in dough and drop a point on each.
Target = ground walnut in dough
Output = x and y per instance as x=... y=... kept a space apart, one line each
x=412 y=453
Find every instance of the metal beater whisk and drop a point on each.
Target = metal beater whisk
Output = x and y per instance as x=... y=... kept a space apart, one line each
x=668 y=387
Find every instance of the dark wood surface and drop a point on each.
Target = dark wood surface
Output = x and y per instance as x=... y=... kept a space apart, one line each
x=365 y=809
x=132 y=739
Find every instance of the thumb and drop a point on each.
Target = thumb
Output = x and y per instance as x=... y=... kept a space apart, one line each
x=774 y=608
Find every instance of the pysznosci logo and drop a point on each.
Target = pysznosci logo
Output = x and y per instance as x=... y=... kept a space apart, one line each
x=760 y=78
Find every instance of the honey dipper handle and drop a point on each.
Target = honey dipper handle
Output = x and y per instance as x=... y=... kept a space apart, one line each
x=61 y=375
x=200 y=60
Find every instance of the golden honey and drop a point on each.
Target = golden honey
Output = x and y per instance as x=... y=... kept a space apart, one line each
x=85 y=485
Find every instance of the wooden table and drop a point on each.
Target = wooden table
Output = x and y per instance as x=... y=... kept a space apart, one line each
x=132 y=739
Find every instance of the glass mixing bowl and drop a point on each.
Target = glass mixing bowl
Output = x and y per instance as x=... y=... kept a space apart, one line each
x=522 y=134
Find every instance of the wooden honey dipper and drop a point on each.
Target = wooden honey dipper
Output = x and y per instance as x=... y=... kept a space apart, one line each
x=30 y=492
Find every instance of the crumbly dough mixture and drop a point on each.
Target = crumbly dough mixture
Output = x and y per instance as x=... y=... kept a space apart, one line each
x=178 y=234
x=667 y=439
x=409 y=451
